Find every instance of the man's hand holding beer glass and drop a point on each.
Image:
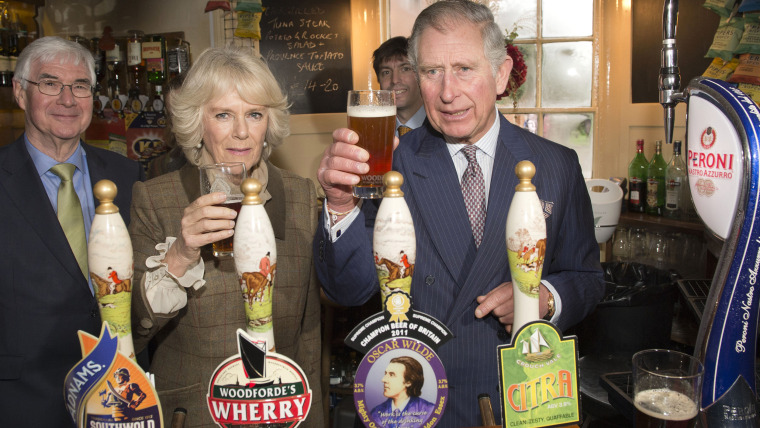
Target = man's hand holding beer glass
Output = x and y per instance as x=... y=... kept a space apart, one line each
x=349 y=165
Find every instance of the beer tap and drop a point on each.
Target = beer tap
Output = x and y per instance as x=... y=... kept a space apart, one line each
x=669 y=82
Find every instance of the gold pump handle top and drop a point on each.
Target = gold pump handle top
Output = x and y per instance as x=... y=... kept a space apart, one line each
x=105 y=192
x=393 y=181
x=251 y=189
x=525 y=171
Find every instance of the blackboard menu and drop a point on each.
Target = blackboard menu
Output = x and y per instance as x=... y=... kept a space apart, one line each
x=308 y=48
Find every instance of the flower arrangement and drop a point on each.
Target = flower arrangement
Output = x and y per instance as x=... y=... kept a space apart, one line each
x=519 y=69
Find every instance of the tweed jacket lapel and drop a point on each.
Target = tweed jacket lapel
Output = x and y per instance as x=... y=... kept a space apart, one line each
x=25 y=190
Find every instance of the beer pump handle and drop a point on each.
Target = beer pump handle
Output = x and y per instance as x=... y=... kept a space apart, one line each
x=178 y=418
x=486 y=411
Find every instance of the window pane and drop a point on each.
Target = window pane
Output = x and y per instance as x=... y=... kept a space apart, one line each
x=521 y=12
x=526 y=95
x=574 y=131
x=524 y=121
x=567 y=18
x=566 y=74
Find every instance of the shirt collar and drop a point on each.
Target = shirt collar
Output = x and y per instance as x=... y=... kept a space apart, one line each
x=402 y=406
x=487 y=143
x=415 y=121
x=43 y=162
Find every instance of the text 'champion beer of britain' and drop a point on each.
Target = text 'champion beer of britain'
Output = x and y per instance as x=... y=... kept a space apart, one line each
x=372 y=115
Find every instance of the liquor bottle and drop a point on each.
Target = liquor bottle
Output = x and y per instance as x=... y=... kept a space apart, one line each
x=676 y=184
x=158 y=100
x=111 y=265
x=178 y=58
x=256 y=263
x=526 y=246
x=100 y=64
x=135 y=62
x=393 y=242
x=5 y=60
x=154 y=54
x=115 y=65
x=656 y=181
x=13 y=48
x=637 y=180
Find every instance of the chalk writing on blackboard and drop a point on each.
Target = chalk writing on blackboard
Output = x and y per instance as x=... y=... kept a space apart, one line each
x=308 y=48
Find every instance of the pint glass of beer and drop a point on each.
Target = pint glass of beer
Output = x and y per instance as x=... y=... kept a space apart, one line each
x=667 y=388
x=372 y=115
x=225 y=178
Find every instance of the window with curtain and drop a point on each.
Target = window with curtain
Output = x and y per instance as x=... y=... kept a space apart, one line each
x=559 y=42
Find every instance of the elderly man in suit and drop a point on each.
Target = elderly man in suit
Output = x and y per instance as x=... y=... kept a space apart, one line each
x=461 y=274
x=45 y=295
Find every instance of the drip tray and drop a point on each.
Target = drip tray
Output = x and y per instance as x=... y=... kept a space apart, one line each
x=695 y=292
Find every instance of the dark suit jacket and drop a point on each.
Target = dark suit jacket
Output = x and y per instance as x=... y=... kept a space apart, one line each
x=450 y=273
x=192 y=342
x=44 y=298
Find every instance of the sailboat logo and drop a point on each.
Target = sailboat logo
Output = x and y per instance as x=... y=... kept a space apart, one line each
x=536 y=348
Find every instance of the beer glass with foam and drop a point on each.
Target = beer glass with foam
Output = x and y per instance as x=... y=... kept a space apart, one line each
x=226 y=178
x=372 y=115
x=667 y=386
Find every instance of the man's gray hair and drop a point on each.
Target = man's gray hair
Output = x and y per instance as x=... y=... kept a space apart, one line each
x=51 y=49
x=444 y=14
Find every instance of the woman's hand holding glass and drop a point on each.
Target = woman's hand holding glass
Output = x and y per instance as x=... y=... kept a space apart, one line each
x=202 y=223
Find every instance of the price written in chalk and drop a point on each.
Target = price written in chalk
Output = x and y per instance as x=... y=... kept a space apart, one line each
x=328 y=85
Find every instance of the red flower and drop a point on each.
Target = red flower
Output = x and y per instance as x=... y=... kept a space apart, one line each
x=518 y=75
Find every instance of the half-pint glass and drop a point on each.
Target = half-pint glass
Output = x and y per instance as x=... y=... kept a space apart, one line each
x=225 y=178
x=667 y=386
x=372 y=115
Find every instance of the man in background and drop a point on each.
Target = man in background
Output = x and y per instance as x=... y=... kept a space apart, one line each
x=46 y=210
x=395 y=73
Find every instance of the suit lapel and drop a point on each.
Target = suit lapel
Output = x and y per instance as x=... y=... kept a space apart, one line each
x=26 y=192
x=441 y=205
x=491 y=257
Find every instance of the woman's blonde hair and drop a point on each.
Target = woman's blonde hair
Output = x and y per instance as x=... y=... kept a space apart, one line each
x=216 y=72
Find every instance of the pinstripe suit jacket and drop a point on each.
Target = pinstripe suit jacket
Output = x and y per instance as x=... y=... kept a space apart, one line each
x=189 y=344
x=44 y=298
x=450 y=273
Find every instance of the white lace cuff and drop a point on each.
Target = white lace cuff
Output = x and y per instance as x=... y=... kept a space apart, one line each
x=162 y=289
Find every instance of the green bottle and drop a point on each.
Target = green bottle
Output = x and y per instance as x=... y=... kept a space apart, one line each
x=656 y=181
x=637 y=180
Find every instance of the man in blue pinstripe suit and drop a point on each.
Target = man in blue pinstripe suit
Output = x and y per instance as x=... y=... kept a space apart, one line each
x=458 y=53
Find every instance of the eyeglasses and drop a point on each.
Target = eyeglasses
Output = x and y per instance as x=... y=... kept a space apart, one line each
x=54 y=87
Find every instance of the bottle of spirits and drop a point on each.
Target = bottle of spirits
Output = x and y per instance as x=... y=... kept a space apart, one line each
x=158 y=100
x=178 y=58
x=676 y=184
x=637 y=180
x=154 y=54
x=656 y=181
x=136 y=62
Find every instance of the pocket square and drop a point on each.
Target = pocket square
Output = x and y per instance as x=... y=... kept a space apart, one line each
x=547 y=207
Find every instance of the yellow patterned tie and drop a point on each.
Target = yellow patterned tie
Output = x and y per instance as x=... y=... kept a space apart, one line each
x=403 y=129
x=70 y=214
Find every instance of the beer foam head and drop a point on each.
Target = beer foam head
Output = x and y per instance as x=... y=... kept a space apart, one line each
x=371 y=111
